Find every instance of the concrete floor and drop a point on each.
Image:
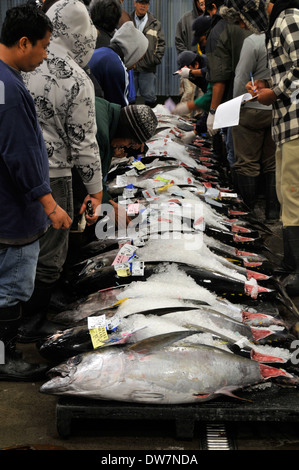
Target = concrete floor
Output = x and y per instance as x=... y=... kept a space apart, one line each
x=28 y=419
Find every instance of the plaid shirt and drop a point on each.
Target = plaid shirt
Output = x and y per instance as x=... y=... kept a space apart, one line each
x=284 y=64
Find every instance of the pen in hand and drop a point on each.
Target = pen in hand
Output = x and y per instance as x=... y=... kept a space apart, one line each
x=252 y=82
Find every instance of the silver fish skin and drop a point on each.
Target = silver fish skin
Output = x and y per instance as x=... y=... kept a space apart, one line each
x=170 y=375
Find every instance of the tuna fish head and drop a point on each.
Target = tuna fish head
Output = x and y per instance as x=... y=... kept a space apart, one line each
x=82 y=374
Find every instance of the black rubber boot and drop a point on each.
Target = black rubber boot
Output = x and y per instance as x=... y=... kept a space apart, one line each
x=291 y=282
x=13 y=367
x=287 y=265
x=248 y=189
x=272 y=203
x=34 y=324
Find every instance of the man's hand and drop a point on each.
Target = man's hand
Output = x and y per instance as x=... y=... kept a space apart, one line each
x=210 y=123
x=181 y=109
x=254 y=88
x=266 y=96
x=184 y=72
x=188 y=137
x=121 y=219
x=95 y=202
x=59 y=218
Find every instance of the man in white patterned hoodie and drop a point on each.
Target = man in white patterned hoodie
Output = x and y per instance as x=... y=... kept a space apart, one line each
x=65 y=102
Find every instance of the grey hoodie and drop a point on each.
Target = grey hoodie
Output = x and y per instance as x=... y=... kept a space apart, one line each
x=64 y=95
x=184 y=32
x=132 y=43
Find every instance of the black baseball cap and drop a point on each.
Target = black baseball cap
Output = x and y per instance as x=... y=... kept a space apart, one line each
x=200 y=27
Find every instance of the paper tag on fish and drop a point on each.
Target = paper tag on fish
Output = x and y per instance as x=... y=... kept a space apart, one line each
x=243 y=342
x=149 y=194
x=119 y=302
x=139 y=241
x=159 y=178
x=139 y=165
x=133 y=209
x=212 y=192
x=138 y=268
x=230 y=195
x=199 y=224
x=212 y=202
x=123 y=270
x=131 y=172
x=124 y=254
x=164 y=188
x=121 y=180
x=128 y=193
x=112 y=323
x=97 y=330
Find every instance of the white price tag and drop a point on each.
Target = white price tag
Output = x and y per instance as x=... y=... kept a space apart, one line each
x=121 y=180
x=138 y=268
x=96 y=322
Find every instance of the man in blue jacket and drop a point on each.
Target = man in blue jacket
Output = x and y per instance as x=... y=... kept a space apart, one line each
x=27 y=205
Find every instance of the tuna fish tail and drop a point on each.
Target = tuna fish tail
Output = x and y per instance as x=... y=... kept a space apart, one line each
x=284 y=299
x=279 y=375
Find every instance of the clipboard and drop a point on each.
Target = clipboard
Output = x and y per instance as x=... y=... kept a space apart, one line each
x=228 y=113
x=253 y=98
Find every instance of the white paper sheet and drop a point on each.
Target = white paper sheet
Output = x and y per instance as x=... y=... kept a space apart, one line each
x=228 y=113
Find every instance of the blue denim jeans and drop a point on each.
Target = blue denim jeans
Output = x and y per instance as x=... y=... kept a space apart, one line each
x=17 y=273
x=145 y=85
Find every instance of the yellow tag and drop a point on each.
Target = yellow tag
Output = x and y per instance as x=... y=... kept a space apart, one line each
x=119 y=302
x=98 y=337
x=139 y=165
x=164 y=180
x=124 y=272
x=165 y=187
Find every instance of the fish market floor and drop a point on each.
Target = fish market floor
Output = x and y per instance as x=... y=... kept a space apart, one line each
x=28 y=419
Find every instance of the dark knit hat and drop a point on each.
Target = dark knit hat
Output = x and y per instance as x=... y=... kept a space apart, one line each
x=200 y=27
x=252 y=12
x=137 y=121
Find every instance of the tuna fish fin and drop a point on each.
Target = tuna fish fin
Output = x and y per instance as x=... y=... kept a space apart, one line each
x=222 y=391
x=227 y=392
x=157 y=342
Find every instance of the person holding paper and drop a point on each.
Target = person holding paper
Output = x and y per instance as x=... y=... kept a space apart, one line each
x=223 y=49
x=254 y=147
x=280 y=22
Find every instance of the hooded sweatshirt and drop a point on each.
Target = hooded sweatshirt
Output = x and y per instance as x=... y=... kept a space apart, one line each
x=64 y=95
x=184 y=32
x=109 y=64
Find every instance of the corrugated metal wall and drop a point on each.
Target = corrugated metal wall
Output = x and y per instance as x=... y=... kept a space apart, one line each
x=168 y=12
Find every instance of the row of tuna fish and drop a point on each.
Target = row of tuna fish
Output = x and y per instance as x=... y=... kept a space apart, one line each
x=182 y=306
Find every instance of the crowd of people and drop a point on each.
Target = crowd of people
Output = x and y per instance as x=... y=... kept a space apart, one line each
x=252 y=46
x=72 y=70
